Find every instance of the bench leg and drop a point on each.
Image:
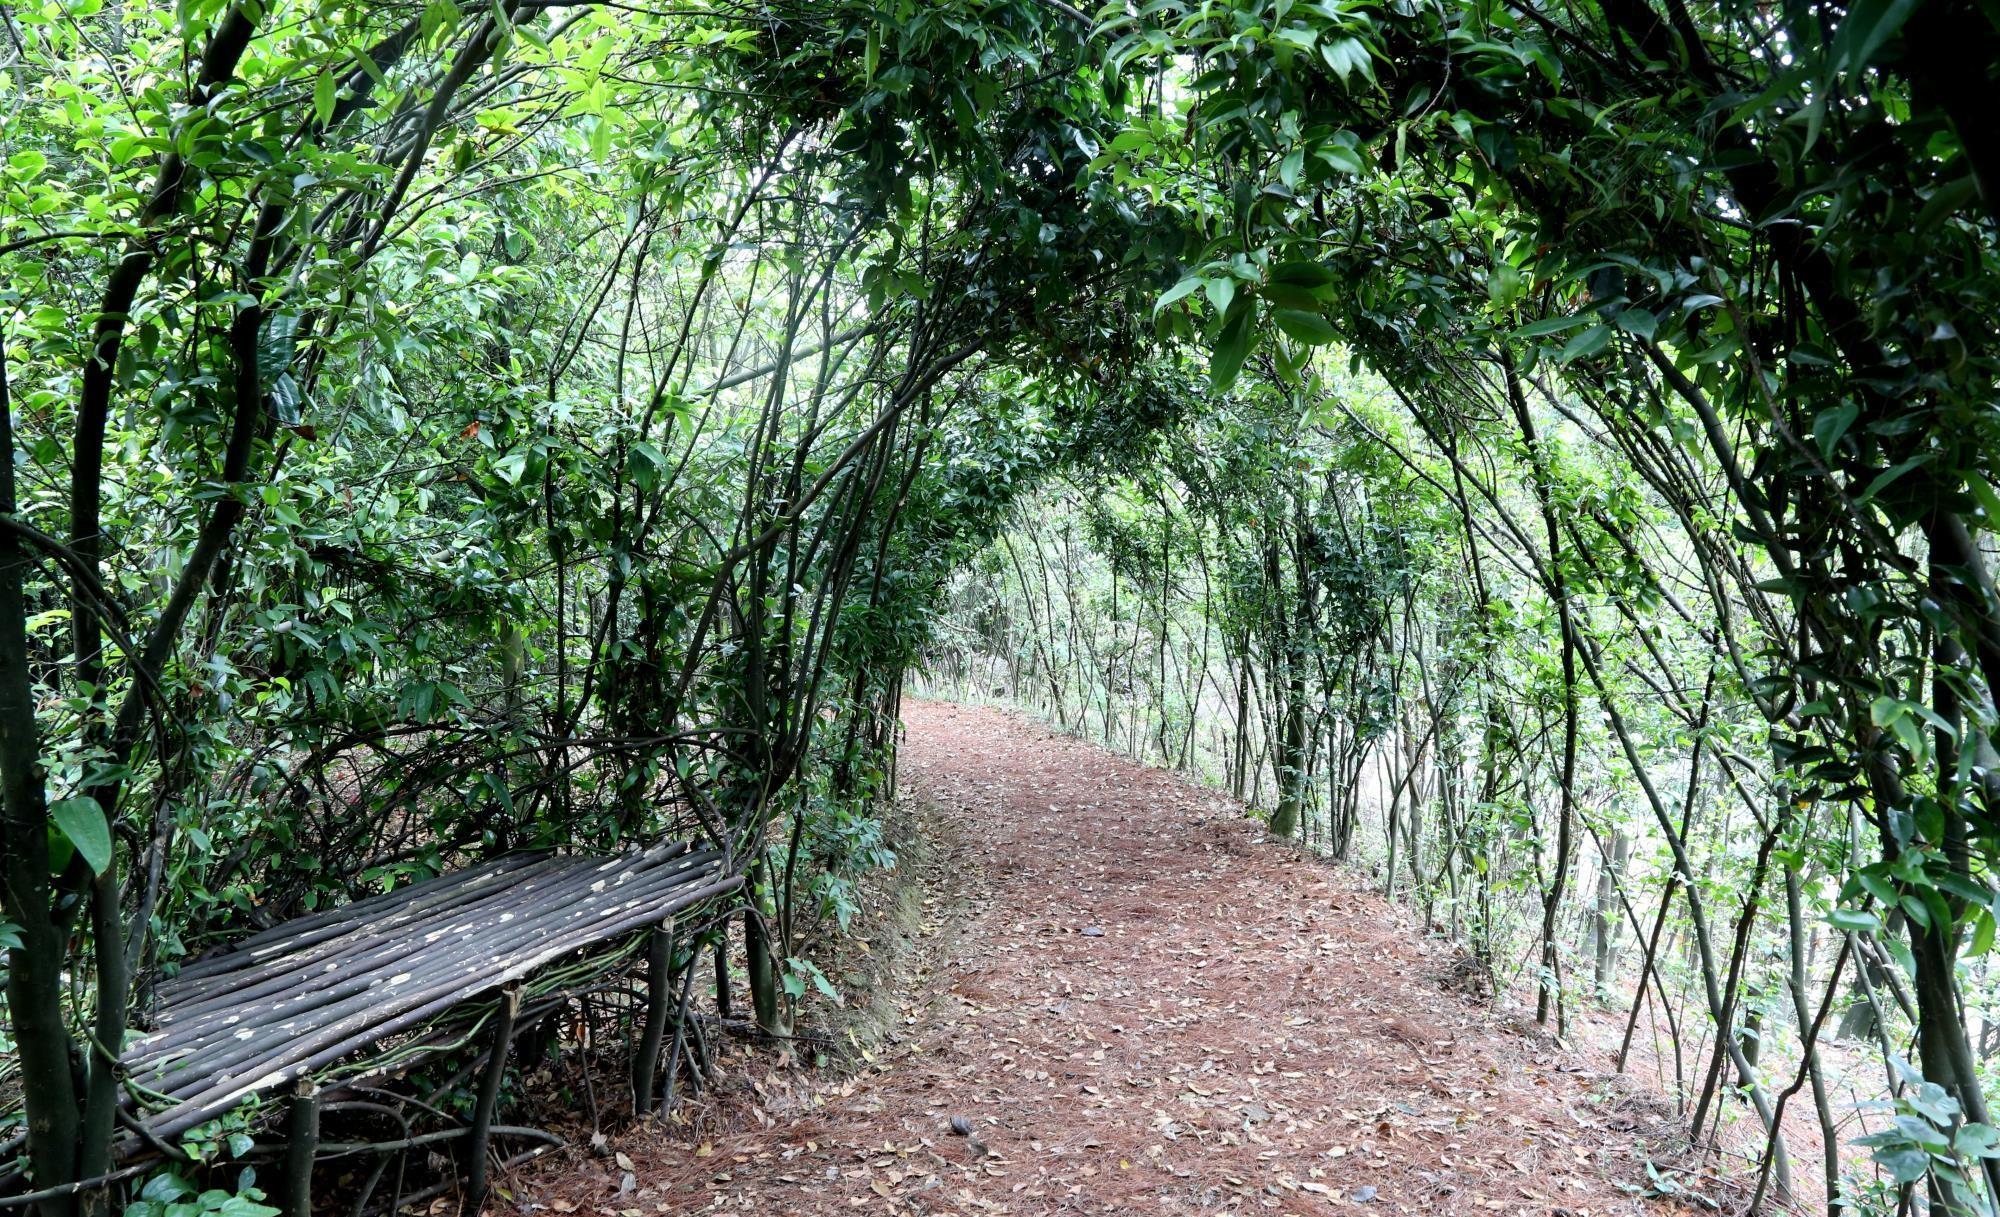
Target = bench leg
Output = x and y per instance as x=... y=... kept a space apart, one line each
x=301 y=1144
x=681 y=1023
x=722 y=1009
x=659 y=983
x=489 y=1099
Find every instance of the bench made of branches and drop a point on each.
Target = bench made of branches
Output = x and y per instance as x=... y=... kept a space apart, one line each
x=359 y=992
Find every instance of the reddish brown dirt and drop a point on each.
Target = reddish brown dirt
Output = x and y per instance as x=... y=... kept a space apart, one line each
x=1146 y=1009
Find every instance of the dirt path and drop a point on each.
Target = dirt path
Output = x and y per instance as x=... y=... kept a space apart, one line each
x=1145 y=1010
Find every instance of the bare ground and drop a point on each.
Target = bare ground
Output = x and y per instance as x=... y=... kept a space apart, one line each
x=1129 y=1003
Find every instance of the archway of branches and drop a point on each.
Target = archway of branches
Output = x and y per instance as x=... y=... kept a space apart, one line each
x=1547 y=448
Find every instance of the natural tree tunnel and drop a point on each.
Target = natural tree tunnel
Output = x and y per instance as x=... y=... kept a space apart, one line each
x=483 y=481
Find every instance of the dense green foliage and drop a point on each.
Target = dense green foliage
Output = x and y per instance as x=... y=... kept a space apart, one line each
x=1664 y=516
x=438 y=432
x=441 y=434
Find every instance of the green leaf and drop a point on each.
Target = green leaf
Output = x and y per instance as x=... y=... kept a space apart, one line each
x=285 y=400
x=1916 y=910
x=1547 y=326
x=61 y=852
x=1854 y=921
x=366 y=62
x=1904 y=1163
x=1935 y=1104
x=1586 y=344
x=277 y=343
x=1343 y=157
x=323 y=98
x=1977 y=1141
x=1308 y=275
x=1221 y=293
x=1868 y=24
x=1232 y=347
x=1829 y=425
x=649 y=465
x=26 y=164
x=1963 y=886
x=83 y=822
x=1876 y=885
x=1982 y=933
x=1178 y=292
x=825 y=986
x=1888 y=476
x=1289 y=295
x=1909 y=735
x=1347 y=56
x=1307 y=327
x=165 y=1188
x=1638 y=322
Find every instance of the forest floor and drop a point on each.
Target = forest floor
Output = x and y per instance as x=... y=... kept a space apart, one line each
x=1098 y=990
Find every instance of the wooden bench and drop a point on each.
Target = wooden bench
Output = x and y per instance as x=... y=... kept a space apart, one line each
x=359 y=993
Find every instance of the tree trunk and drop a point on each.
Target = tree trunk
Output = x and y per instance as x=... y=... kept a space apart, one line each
x=1604 y=936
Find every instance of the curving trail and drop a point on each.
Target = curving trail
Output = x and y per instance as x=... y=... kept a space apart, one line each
x=1144 y=1010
